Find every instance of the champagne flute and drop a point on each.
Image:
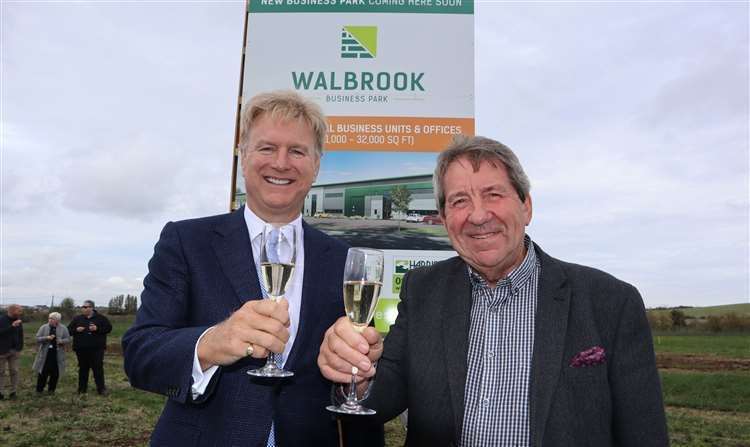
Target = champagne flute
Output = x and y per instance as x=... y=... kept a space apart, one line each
x=363 y=277
x=278 y=253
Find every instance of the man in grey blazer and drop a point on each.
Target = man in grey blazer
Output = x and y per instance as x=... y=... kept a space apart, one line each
x=505 y=345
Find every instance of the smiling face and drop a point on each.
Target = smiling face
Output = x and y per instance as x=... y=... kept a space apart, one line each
x=280 y=164
x=485 y=218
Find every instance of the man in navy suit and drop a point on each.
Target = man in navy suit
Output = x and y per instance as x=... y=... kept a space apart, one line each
x=505 y=345
x=202 y=323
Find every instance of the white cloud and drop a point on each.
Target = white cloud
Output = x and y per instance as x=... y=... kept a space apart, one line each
x=630 y=118
x=632 y=122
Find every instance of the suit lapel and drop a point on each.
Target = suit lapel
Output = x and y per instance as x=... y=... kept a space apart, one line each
x=456 y=311
x=309 y=314
x=553 y=304
x=235 y=256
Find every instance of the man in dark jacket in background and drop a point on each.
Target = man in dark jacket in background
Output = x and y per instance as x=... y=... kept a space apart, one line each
x=89 y=331
x=11 y=344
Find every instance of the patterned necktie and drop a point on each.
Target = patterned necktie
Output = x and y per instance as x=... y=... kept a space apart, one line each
x=272 y=247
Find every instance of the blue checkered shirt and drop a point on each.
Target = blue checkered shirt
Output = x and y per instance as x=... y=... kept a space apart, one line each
x=501 y=340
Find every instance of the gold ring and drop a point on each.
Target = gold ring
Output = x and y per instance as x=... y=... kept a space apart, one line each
x=249 y=350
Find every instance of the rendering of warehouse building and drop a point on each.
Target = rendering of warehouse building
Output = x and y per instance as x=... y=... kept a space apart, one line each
x=370 y=198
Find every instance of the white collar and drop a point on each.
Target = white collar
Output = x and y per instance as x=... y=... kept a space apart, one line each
x=255 y=224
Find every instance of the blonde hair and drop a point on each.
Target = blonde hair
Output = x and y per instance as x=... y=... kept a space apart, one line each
x=283 y=105
x=55 y=316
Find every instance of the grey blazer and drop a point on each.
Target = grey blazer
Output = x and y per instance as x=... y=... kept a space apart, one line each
x=616 y=403
x=62 y=338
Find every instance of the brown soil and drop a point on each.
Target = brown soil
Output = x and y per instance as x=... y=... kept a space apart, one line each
x=700 y=362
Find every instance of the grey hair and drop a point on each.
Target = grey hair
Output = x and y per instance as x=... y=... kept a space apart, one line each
x=283 y=105
x=478 y=149
x=55 y=316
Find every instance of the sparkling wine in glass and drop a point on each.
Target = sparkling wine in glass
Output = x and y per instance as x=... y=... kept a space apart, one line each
x=278 y=253
x=363 y=278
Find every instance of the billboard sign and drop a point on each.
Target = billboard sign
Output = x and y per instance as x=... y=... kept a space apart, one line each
x=395 y=79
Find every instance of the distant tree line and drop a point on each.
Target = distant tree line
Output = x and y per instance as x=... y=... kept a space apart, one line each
x=676 y=320
x=66 y=307
x=123 y=305
x=118 y=305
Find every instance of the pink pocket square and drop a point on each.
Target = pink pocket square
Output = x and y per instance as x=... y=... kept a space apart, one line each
x=589 y=357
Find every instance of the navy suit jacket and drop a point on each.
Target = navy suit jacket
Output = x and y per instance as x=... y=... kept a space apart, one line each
x=202 y=271
x=616 y=403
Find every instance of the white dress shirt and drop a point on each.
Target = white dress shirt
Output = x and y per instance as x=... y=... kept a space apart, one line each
x=293 y=294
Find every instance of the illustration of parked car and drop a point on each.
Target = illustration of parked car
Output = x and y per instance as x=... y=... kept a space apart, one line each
x=432 y=219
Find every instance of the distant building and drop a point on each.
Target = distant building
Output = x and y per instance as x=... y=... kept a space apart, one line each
x=370 y=198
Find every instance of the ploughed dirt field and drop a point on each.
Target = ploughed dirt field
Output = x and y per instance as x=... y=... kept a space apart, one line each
x=700 y=362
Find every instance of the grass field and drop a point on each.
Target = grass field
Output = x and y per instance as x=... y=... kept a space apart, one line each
x=124 y=418
x=720 y=391
x=704 y=408
x=120 y=323
x=429 y=230
x=700 y=428
x=733 y=346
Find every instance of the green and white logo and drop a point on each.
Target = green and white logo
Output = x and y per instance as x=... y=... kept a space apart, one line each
x=359 y=42
x=399 y=270
x=402 y=266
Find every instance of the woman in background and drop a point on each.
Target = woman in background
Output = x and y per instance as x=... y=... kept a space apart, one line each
x=50 y=360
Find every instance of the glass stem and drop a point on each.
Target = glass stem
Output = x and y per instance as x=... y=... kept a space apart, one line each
x=352 y=397
x=271 y=362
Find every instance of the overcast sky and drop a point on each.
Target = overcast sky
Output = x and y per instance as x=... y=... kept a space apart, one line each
x=631 y=119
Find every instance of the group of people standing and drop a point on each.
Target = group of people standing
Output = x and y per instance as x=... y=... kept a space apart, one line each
x=88 y=333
